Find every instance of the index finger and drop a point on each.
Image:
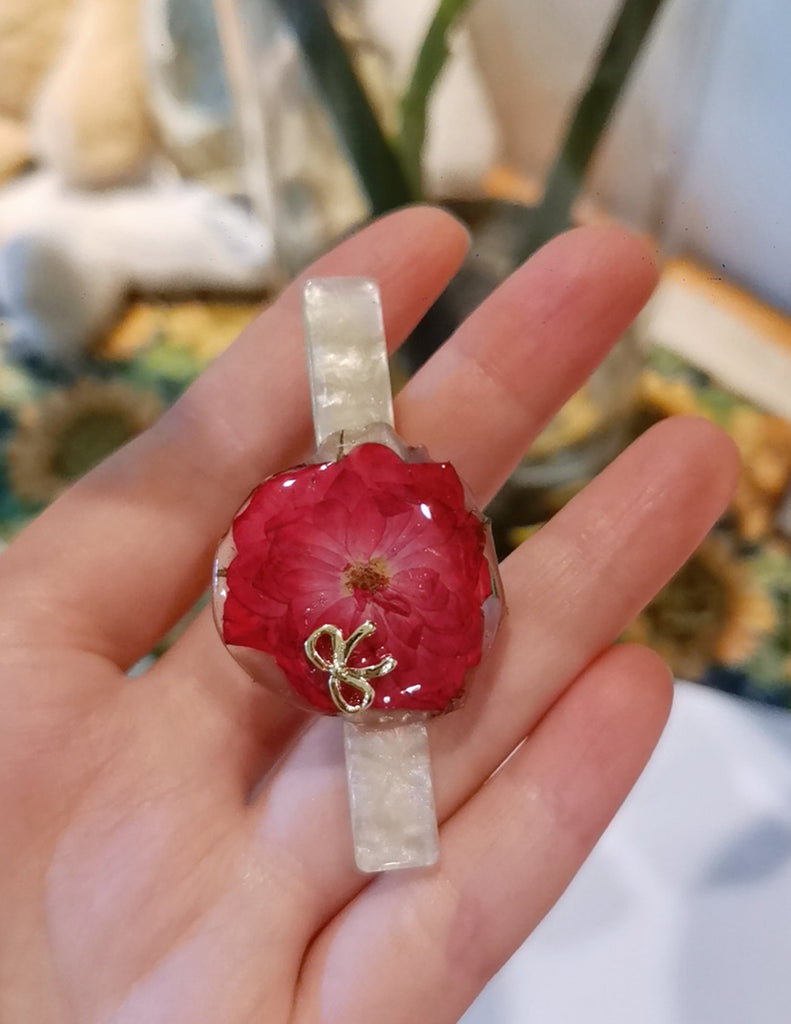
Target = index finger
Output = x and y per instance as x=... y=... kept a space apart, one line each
x=119 y=557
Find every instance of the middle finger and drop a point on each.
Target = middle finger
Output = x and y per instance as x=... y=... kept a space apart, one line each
x=478 y=402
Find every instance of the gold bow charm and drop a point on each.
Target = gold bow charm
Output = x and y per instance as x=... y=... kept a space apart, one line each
x=339 y=669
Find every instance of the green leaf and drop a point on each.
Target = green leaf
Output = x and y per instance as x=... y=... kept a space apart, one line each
x=428 y=66
x=377 y=165
x=587 y=124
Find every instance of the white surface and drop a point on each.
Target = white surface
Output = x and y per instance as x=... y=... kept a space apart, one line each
x=682 y=914
x=167 y=237
x=700 y=145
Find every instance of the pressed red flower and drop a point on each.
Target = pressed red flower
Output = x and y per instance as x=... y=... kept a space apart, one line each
x=369 y=538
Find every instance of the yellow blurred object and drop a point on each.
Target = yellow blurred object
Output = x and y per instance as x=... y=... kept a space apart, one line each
x=72 y=89
x=502 y=182
x=578 y=419
x=764 y=443
x=519 y=534
x=763 y=440
x=14 y=147
x=91 y=120
x=711 y=611
x=669 y=397
x=62 y=436
x=32 y=33
x=205 y=328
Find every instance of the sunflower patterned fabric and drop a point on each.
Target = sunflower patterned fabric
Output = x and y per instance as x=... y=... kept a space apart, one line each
x=726 y=617
x=724 y=620
x=56 y=422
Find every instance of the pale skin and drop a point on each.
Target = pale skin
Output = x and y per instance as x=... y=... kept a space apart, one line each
x=175 y=849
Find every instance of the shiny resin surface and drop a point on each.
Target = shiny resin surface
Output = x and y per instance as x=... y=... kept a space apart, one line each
x=370 y=572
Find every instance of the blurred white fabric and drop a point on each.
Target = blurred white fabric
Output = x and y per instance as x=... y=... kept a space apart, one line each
x=681 y=915
x=698 y=150
x=463 y=137
x=165 y=237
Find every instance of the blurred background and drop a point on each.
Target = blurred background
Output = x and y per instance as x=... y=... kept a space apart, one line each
x=166 y=166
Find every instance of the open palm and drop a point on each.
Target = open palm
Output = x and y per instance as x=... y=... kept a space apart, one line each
x=175 y=848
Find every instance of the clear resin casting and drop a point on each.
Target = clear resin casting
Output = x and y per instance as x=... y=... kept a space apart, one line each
x=362 y=583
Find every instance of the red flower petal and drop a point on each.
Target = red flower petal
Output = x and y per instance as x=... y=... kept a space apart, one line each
x=368 y=538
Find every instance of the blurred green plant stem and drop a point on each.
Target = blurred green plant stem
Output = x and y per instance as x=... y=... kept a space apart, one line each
x=430 y=61
x=373 y=156
x=588 y=122
x=390 y=171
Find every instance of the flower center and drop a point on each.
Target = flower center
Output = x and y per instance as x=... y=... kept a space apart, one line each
x=371 y=575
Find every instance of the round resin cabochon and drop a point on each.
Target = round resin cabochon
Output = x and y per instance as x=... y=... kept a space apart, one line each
x=382 y=537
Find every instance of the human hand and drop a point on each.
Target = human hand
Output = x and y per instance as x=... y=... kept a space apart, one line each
x=176 y=848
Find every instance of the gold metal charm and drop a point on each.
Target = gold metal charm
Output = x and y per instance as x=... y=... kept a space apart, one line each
x=341 y=673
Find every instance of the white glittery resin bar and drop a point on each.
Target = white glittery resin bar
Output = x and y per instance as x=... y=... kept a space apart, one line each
x=388 y=767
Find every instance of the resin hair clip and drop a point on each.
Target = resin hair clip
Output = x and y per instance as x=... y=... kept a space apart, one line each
x=364 y=582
